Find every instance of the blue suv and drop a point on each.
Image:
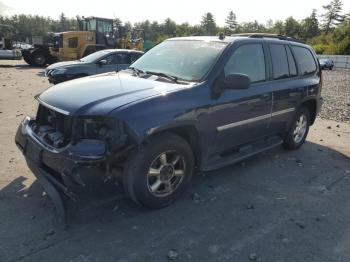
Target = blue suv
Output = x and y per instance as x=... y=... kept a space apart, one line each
x=190 y=102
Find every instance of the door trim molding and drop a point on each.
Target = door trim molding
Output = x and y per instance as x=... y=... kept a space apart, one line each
x=254 y=119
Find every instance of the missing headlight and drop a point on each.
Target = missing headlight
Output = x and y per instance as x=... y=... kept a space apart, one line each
x=101 y=128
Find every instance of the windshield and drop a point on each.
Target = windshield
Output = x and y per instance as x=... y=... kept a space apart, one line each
x=94 y=57
x=188 y=60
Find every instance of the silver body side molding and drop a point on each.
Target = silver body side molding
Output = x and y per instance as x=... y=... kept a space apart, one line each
x=254 y=119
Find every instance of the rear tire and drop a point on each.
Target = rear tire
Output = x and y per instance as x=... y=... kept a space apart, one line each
x=156 y=175
x=299 y=129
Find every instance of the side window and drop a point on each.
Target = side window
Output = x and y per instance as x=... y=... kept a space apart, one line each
x=291 y=62
x=279 y=61
x=73 y=42
x=247 y=59
x=305 y=60
x=135 y=56
x=122 y=58
x=111 y=59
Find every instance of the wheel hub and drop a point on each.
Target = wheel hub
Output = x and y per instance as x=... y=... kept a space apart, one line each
x=166 y=172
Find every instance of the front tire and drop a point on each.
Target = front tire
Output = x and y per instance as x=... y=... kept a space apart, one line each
x=157 y=174
x=299 y=129
x=38 y=59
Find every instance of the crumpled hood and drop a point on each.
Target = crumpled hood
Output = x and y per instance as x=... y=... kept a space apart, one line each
x=64 y=64
x=100 y=94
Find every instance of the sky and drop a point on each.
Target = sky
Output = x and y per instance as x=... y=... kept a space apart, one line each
x=178 y=10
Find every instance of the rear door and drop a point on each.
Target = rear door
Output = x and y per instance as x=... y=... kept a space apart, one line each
x=290 y=81
x=287 y=87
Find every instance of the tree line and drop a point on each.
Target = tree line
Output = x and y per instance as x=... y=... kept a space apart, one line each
x=328 y=35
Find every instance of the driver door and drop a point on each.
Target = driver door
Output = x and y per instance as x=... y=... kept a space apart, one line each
x=241 y=116
x=107 y=64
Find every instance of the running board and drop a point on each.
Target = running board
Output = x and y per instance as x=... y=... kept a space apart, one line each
x=243 y=153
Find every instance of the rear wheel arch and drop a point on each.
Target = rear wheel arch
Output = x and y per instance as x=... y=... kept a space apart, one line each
x=311 y=105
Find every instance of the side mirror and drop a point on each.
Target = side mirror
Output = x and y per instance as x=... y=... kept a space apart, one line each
x=102 y=62
x=236 y=81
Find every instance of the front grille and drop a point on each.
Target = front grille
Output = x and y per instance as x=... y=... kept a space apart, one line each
x=53 y=127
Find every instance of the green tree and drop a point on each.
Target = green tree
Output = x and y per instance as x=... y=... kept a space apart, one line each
x=208 y=24
x=169 y=27
x=332 y=16
x=251 y=27
x=292 y=27
x=278 y=28
x=310 y=26
x=231 y=23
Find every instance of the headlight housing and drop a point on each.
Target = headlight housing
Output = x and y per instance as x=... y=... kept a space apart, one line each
x=103 y=128
x=58 y=71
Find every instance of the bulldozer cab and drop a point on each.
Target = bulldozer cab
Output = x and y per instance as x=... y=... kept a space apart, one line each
x=103 y=27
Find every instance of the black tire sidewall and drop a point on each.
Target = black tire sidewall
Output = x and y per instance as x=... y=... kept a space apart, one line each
x=137 y=166
x=289 y=142
x=38 y=54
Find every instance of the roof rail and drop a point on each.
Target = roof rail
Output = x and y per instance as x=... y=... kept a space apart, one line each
x=265 y=35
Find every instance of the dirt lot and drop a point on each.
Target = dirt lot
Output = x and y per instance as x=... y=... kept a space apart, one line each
x=277 y=206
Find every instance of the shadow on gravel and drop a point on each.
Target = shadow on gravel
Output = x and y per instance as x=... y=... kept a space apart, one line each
x=258 y=203
x=25 y=67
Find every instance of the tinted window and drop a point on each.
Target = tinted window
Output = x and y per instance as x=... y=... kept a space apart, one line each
x=279 y=61
x=111 y=59
x=247 y=59
x=122 y=58
x=291 y=62
x=305 y=60
x=135 y=56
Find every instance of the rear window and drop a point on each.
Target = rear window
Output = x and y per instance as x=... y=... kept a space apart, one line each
x=305 y=60
x=279 y=61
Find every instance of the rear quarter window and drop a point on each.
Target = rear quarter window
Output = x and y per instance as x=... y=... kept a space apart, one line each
x=305 y=60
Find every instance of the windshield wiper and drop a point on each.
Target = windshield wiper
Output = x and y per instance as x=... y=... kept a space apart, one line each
x=136 y=70
x=170 y=77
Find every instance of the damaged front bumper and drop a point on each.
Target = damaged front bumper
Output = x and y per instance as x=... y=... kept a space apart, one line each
x=58 y=169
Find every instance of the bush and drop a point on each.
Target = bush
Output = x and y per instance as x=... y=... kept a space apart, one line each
x=320 y=48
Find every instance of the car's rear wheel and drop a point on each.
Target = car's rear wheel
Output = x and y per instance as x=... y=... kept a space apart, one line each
x=155 y=175
x=299 y=129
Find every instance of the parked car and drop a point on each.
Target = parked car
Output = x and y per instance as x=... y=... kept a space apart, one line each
x=193 y=102
x=326 y=63
x=103 y=61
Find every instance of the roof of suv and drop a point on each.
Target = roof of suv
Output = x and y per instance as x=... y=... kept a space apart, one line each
x=235 y=37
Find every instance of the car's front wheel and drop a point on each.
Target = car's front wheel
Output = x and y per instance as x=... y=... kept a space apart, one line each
x=156 y=174
x=299 y=129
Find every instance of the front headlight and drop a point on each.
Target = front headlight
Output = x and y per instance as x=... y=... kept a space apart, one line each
x=59 y=71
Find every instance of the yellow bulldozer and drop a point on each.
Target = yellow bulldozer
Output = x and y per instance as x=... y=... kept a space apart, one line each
x=94 y=34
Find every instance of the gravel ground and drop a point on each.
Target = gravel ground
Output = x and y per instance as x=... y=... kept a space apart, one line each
x=336 y=94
